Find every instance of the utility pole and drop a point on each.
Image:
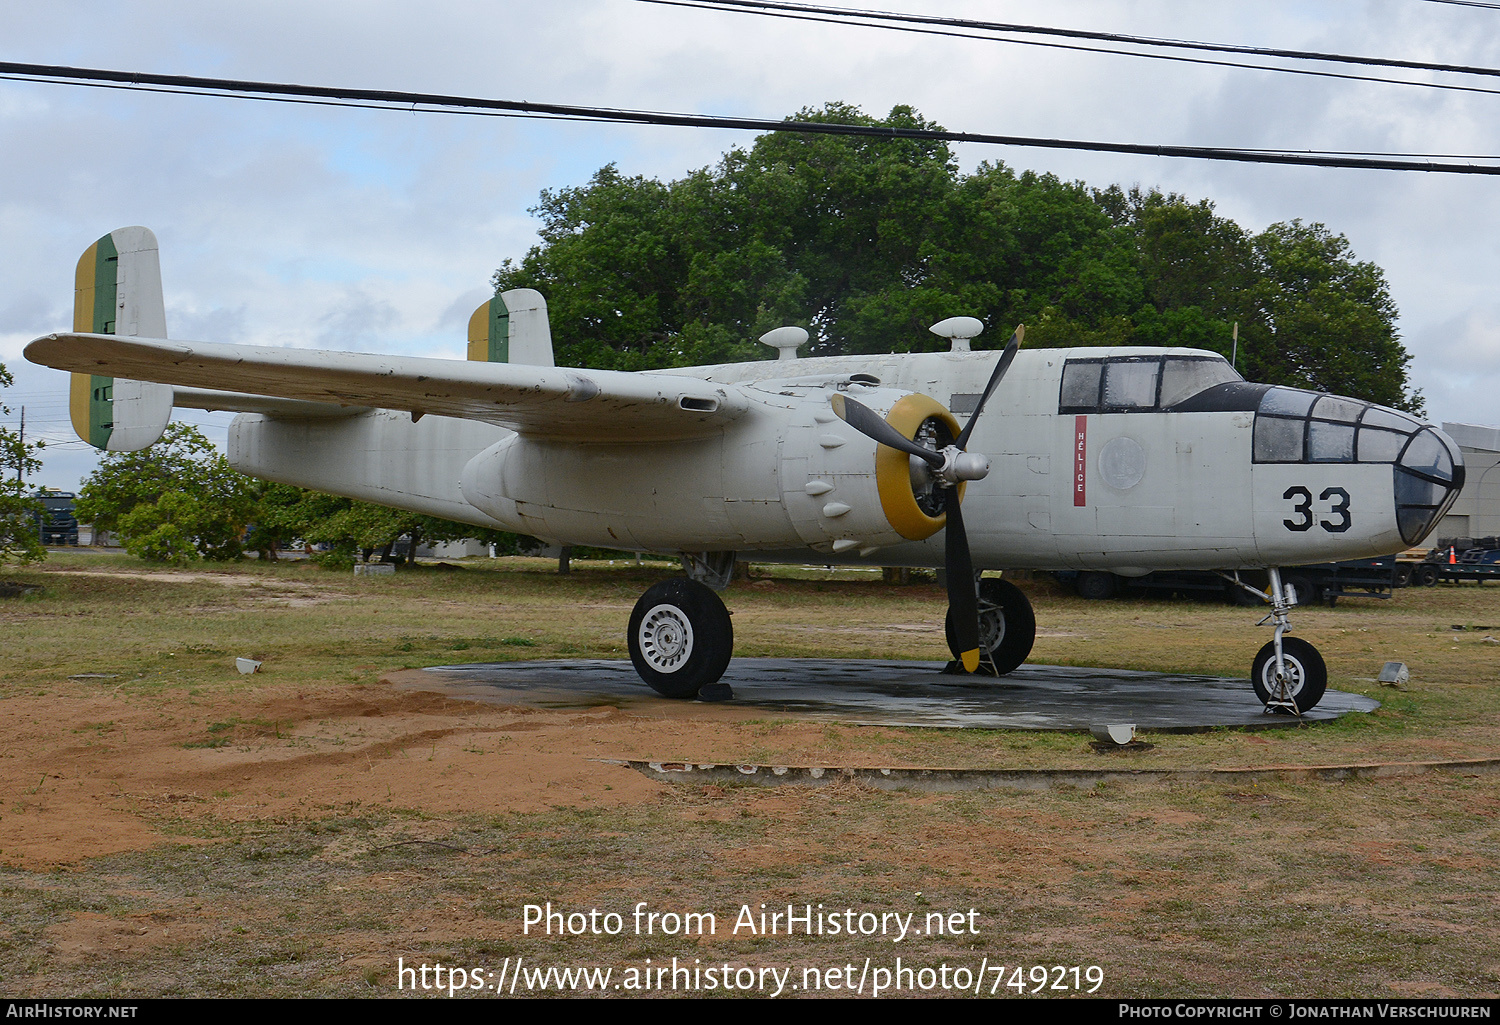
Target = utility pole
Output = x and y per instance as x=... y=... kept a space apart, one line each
x=21 y=451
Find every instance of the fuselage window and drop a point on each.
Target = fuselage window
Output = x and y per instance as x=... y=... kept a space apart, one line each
x=1278 y=440
x=1330 y=443
x=1296 y=426
x=1377 y=446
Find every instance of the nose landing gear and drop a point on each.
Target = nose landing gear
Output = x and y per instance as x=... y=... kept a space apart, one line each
x=1288 y=674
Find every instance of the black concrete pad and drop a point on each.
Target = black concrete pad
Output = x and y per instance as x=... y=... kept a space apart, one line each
x=894 y=693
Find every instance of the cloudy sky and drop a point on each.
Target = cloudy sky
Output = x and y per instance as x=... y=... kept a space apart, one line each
x=378 y=230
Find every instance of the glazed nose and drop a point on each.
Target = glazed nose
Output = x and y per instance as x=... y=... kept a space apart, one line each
x=1429 y=475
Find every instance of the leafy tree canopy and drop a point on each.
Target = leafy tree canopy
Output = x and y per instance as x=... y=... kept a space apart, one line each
x=175 y=501
x=867 y=241
x=179 y=500
x=18 y=510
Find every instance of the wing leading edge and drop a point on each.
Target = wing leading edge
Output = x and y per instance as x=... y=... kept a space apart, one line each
x=546 y=402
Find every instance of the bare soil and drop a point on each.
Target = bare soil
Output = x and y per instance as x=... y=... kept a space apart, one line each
x=169 y=827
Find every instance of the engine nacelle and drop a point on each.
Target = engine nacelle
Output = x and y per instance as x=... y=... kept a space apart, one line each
x=787 y=474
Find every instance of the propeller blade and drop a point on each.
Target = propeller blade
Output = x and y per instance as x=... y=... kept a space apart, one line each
x=963 y=602
x=1000 y=368
x=873 y=426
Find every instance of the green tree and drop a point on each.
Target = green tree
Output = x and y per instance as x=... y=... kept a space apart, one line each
x=18 y=510
x=1325 y=320
x=176 y=500
x=868 y=240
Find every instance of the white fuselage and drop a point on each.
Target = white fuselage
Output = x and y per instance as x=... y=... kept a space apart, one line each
x=1124 y=491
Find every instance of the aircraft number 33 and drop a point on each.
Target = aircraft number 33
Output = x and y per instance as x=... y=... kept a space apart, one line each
x=1302 y=500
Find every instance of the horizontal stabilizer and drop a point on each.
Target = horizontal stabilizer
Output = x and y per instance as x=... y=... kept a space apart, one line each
x=545 y=402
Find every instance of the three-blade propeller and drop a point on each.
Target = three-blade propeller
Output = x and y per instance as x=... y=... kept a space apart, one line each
x=951 y=466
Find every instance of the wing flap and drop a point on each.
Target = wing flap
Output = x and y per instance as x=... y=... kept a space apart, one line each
x=270 y=405
x=547 y=402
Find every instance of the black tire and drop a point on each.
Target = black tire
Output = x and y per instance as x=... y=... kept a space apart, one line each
x=680 y=637
x=1309 y=676
x=1007 y=624
x=1403 y=576
x=1096 y=585
x=1237 y=595
x=1427 y=575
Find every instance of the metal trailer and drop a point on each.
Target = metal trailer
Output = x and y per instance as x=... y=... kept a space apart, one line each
x=1324 y=582
x=1455 y=559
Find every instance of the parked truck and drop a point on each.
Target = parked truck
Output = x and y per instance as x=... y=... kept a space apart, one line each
x=57 y=525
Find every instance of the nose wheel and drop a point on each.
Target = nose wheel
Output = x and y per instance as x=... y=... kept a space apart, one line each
x=1288 y=674
x=1297 y=685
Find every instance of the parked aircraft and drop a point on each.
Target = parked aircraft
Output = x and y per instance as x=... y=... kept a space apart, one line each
x=1125 y=459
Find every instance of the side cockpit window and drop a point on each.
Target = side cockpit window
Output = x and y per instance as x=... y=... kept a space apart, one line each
x=1138 y=384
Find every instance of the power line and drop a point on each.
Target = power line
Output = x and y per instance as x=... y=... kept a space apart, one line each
x=772 y=8
x=413 y=102
x=1467 y=3
x=709 y=5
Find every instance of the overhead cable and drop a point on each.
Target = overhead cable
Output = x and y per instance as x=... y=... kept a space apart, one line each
x=708 y=5
x=773 y=8
x=436 y=102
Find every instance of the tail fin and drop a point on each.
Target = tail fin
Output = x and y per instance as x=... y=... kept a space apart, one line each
x=117 y=290
x=512 y=328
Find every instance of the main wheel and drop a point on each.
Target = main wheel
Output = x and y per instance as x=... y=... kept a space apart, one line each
x=1427 y=575
x=1307 y=676
x=680 y=637
x=1007 y=625
x=1096 y=586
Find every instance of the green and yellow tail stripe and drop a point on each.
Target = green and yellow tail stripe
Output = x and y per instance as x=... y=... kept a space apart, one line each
x=489 y=332
x=96 y=288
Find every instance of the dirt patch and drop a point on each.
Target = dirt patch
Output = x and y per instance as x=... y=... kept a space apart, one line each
x=87 y=775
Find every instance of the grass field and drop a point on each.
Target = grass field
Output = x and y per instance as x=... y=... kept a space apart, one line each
x=170 y=827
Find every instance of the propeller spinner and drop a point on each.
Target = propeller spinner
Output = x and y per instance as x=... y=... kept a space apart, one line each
x=949 y=467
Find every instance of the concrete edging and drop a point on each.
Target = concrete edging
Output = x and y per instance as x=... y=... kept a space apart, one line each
x=938 y=779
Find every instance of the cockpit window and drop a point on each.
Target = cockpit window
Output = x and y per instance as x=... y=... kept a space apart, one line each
x=1080 y=384
x=1182 y=378
x=1139 y=384
x=1131 y=385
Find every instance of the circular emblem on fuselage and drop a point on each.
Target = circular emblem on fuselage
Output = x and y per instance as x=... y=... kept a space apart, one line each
x=1122 y=463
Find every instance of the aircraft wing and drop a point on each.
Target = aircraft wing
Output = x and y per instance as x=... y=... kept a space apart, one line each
x=547 y=402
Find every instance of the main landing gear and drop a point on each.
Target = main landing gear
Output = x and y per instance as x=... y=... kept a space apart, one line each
x=680 y=639
x=1288 y=673
x=680 y=635
x=1007 y=627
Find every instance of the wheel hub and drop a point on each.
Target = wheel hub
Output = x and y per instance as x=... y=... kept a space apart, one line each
x=666 y=638
x=1284 y=685
x=991 y=626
